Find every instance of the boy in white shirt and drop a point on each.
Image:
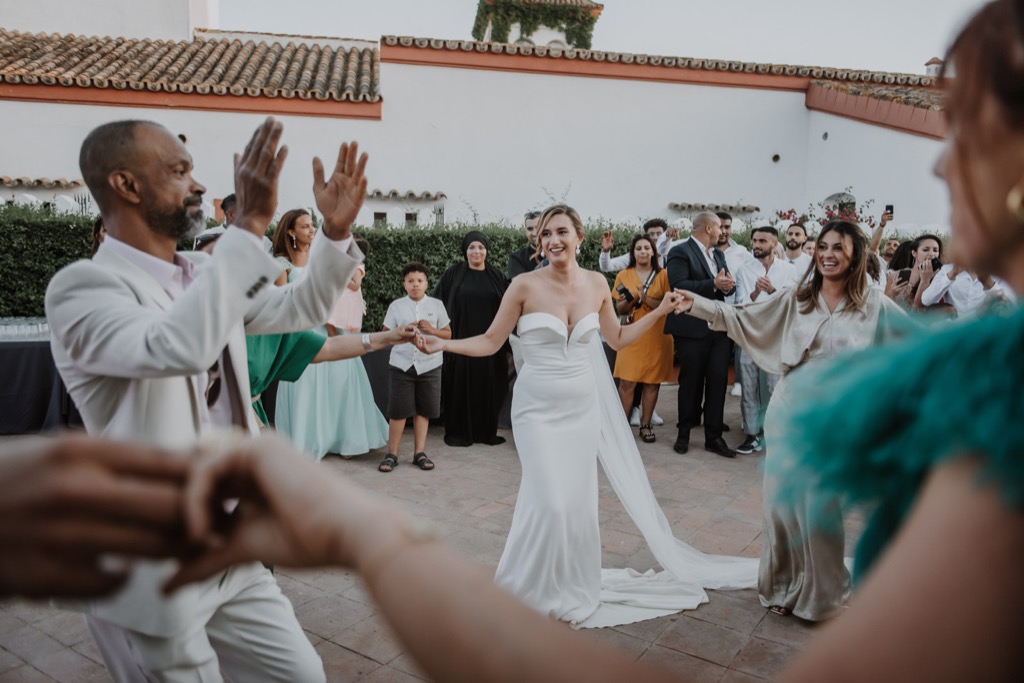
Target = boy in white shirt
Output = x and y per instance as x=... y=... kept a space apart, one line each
x=415 y=376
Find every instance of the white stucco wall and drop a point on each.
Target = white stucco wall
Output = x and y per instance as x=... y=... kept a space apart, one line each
x=880 y=164
x=145 y=19
x=500 y=143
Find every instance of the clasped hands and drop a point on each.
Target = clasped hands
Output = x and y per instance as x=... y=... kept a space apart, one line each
x=73 y=504
x=257 y=170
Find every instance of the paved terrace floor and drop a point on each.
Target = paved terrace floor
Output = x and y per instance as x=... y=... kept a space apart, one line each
x=712 y=502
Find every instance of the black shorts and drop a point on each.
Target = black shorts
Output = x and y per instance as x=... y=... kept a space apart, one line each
x=414 y=394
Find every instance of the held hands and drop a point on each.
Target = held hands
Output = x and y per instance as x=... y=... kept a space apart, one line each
x=428 y=343
x=289 y=512
x=256 y=174
x=400 y=335
x=70 y=501
x=607 y=241
x=724 y=281
x=340 y=196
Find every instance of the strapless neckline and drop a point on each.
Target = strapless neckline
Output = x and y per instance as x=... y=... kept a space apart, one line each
x=568 y=331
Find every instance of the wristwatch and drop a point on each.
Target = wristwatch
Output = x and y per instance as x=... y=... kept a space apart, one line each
x=367 y=346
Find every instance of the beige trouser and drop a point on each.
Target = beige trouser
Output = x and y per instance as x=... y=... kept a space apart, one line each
x=247 y=630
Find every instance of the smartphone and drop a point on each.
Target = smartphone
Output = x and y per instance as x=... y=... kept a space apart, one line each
x=888 y=208
x=936 y=264
x=904 y=276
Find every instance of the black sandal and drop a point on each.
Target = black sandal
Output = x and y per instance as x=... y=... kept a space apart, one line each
x=422 y=461
x=389 y=463
x=647 y=434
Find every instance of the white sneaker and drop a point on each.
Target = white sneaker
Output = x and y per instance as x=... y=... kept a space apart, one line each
x=656 y=419
x=737 y=390
x=634 y=417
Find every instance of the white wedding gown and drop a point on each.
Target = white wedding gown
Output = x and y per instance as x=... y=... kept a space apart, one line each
x=565 y=416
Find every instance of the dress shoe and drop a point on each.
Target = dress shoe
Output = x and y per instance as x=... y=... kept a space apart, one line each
x=718 y=445
x=682 y=444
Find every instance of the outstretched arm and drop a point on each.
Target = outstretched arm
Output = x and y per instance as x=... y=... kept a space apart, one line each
x=488 y=343
x=351 y=345
x=294 y=513
x=618 y=336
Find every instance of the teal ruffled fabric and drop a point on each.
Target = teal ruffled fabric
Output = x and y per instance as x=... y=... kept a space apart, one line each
x=871 y=426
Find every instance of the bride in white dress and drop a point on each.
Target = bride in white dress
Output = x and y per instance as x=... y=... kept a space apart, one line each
x=566 y=416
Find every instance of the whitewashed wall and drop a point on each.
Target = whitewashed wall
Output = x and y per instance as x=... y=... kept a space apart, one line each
x=884 y=165
x=500 y=143
x=145 y=19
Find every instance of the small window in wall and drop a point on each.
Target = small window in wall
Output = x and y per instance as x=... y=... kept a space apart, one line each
x=439 y=215
x=380 y=219
x=410 y=219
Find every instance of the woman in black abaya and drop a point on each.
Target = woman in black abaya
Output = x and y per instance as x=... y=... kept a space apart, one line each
x=472 y=389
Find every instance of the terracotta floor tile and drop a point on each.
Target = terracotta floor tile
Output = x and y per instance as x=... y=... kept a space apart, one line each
x=330 y=615
x=703 y=639
x=25 y=674
x=687 y=667
x=341 y=664
x=372 y=638
x=763 y=658
x=67 y=627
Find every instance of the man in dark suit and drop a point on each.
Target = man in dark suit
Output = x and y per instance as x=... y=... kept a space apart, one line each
x=524 y=260
x=704 y=356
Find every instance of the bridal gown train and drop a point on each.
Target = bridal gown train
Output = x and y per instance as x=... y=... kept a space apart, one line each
x=565 y=417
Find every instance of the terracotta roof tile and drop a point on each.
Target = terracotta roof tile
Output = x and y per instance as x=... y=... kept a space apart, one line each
x=408 y=194
x=257 y=65
x=815 y=72
x=45 y=183
x=930 y=100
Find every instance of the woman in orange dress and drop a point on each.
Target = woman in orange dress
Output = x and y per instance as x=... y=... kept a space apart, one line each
x=637 y=291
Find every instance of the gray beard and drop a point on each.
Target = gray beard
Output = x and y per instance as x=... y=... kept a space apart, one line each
x=178 y=225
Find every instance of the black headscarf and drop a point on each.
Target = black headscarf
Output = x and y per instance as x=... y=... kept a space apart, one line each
x=454 y=276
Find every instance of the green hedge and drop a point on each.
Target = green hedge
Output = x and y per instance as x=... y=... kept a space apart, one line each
x=35 y=243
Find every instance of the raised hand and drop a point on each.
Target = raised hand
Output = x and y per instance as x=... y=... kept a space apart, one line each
x=340 y=196
x=69 y=501
x=256 y=175
x=607 y=241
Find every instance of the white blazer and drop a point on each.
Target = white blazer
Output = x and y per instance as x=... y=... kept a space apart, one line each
x=129 y=354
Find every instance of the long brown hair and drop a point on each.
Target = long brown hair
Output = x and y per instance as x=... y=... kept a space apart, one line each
x=283 y=245
x=855 y=289
x=984 y=64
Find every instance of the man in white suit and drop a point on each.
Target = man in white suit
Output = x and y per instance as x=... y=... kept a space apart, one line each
x=151 y=345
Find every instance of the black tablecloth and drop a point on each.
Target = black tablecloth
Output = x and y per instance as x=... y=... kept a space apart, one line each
x=32 y=396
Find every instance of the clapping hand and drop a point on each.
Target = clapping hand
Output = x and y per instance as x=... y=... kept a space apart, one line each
x=256 y=173
x=724 y=281
x=340 y=196
x=763 y=284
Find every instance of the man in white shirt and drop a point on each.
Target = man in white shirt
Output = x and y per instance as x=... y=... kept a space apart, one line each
x=653 y=228
x=796 y=236
x=959 y=288
x=151 y=345
x=760 y=279
x=736 y=255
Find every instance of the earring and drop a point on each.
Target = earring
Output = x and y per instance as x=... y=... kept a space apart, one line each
x=1015 y=203
x=542 y=253
x=577 y=249
x=295 y=245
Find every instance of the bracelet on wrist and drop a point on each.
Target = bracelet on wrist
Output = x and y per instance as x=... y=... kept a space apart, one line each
x=367 y=344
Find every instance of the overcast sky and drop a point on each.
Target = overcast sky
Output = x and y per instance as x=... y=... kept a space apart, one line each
x=883 y=35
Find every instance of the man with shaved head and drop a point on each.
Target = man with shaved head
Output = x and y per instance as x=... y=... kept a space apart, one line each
x=698 y=266
x=151 y=345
